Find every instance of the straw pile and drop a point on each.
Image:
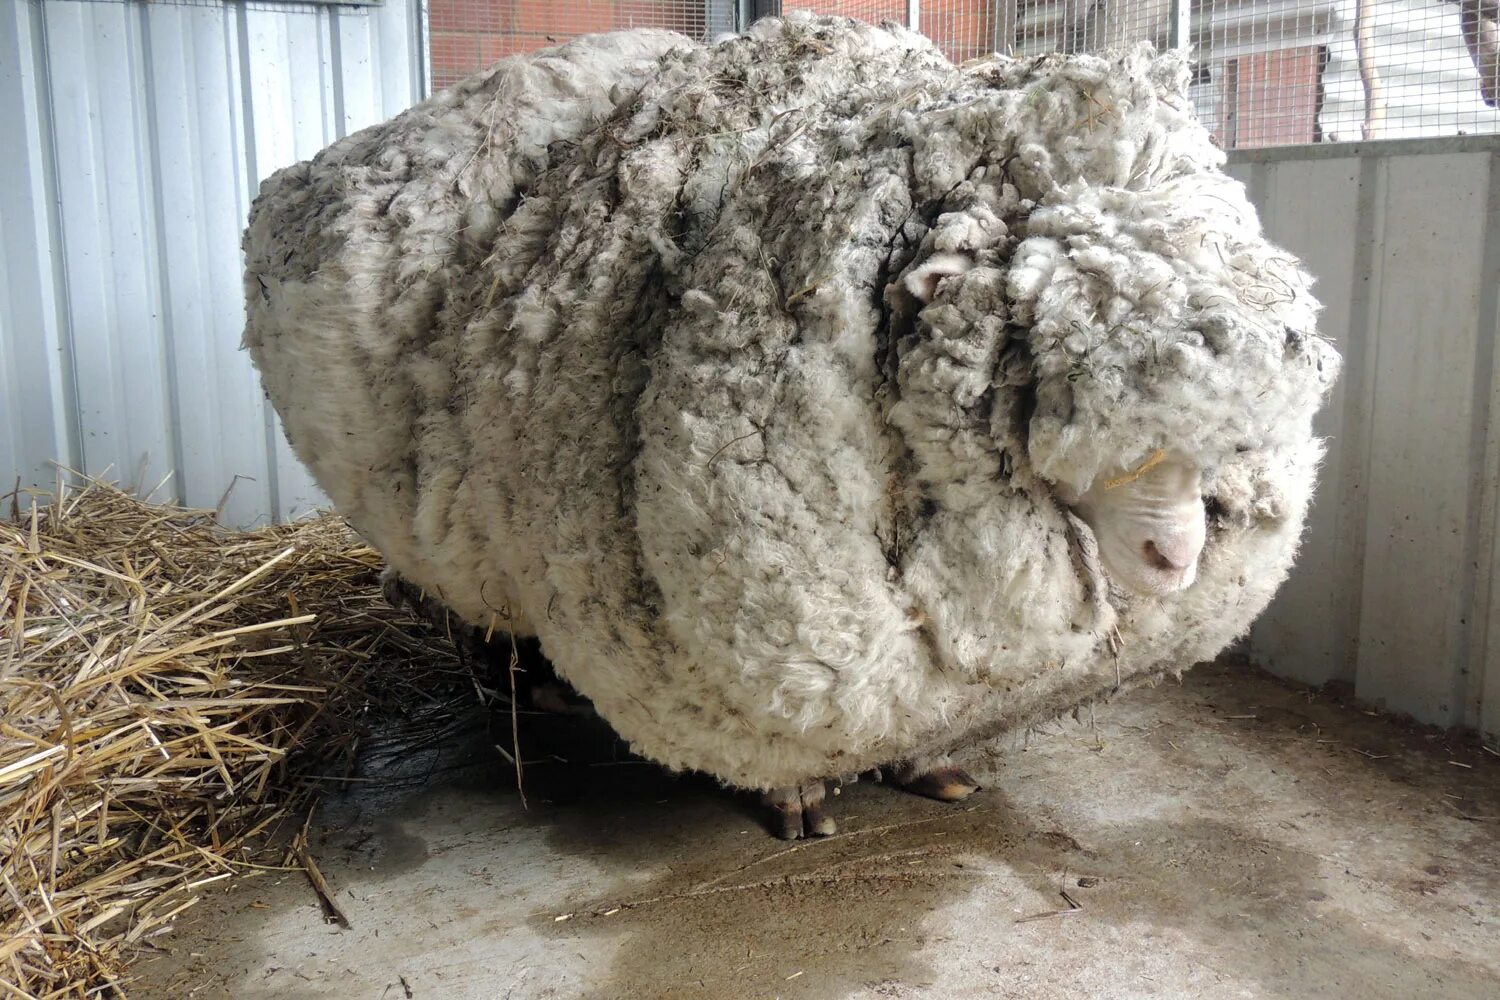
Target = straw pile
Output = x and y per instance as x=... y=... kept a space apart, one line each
x=163 y=685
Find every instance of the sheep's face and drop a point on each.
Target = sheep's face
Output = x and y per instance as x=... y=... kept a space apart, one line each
x=1150 y=521
x=1150 y=525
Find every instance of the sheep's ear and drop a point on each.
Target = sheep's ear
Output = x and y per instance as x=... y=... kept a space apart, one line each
x=922 y=282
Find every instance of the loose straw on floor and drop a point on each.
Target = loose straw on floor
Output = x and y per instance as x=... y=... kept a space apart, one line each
x=160 y=678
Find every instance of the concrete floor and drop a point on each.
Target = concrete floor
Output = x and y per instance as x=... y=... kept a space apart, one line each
x=1227 y=837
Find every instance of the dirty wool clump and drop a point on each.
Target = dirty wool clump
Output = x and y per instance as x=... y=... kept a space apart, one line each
x=746 y=377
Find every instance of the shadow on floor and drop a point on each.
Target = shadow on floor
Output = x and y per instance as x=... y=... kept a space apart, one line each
x=1214 y=847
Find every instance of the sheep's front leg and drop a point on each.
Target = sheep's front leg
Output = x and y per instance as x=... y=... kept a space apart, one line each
x=936 y=778
x=797 y=811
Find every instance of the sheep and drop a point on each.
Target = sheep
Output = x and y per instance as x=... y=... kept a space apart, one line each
x=818 y=406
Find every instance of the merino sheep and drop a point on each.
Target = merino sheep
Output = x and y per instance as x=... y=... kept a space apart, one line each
x=818 y=405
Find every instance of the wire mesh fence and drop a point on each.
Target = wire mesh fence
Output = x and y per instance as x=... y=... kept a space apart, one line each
x=468 y=35
x=1266 y=72
x=1302 y=71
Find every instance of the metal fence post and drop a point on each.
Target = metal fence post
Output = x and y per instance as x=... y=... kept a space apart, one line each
x=751 y=11
x=1005 y=27
x=721 y=17
x=1182 y=23
x=914 y=14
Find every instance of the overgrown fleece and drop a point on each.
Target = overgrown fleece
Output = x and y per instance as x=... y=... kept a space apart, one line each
x=609 y=344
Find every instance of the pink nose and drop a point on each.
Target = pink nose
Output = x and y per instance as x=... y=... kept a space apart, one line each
x=1171 y=557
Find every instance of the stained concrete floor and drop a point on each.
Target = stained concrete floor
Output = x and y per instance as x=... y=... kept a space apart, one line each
x=1231 y=836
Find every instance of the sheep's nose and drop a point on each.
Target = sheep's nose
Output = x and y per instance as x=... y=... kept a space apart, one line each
x=1170 y=556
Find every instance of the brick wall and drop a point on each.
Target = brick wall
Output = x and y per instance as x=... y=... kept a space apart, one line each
x=1271 y=98
x=468 y=35
x=963 y=29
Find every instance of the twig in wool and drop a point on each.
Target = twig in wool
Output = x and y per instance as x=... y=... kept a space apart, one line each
x=772 y=145
x=1097 y=112
x=1157 y=457
x=515 y=725
x=729 y=443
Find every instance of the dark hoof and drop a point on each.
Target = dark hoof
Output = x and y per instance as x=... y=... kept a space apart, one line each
x=558 y=699
x=946 y=783
x=799 y=812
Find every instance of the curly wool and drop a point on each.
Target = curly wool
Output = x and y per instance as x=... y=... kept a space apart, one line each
x=613 y=345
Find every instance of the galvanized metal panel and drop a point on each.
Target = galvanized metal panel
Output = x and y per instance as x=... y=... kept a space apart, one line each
x=36 y=405
x=219 y=409
x=143 y=131
x=1482 y=697
x=1394 y=589
x=1420 y=477
x=292 y=118
x=359 y=93
x=1310 y=207
x=104 y=193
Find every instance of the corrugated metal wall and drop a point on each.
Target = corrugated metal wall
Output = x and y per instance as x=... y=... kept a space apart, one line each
x=1395 y=589
x=136 y=135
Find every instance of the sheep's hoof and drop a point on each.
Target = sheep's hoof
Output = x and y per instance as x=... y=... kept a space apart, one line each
x=798 y=811
x=557 y=698
x=946 y=782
